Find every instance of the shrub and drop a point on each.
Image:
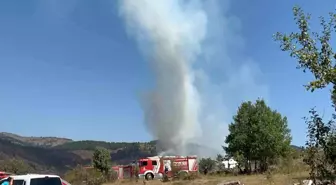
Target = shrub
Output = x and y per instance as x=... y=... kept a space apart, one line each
x=95 y=177
x=206 y=165
x=135 y=174
x=80 y=176
x=188 y=176
x=101 y=160
x=112 y=176
x=16 y=166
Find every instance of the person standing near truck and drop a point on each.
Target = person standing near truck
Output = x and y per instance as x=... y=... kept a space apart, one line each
x=8 y=181
x=165 y=175
x=166 y=169
x=206 y=170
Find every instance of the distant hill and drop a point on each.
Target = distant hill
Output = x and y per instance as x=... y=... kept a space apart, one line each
x=298 y=148
x=60 y=154
x=34 y=141
x=40 y=157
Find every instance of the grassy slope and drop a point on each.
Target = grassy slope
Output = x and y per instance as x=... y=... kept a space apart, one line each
x=276 y=179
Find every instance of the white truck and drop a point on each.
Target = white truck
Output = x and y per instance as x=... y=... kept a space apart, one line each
x=32 y=179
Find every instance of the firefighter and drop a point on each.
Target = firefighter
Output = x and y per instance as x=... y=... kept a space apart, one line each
x=165 y=176
x=166 y=169
x=205 y=170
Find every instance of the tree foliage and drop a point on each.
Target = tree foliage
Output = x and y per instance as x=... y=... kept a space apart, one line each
x=258 y=134
x=82 y=176
x=102 y=160
x=321 y=156
x=15 y=166
x=206 y=165
x=314 y=53
x=312 y=50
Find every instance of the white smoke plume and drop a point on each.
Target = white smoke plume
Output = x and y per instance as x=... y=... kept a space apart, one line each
x=196 y=51
x=171 y=109
x=181 y=39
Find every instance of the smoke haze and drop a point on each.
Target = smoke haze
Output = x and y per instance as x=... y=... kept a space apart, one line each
x=181 y=40
x=196 y=50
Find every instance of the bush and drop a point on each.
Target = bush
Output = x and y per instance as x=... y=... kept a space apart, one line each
x=16 y=166
x=95 y=177
x=206 y=165
x=188 y=176
x=112 y=176
x=181 y=175
x=75 y=176
x=165 y=178
x=135 y=174
x=80 y=176
x=101 y=160
x=291 y=165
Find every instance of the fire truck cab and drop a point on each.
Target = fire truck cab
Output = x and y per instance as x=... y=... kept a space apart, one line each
x=157 y=166
x=4 y=174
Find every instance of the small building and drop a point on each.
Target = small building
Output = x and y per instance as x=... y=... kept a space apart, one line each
x=230 y=163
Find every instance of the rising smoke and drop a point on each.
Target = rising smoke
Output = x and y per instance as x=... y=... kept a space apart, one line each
x=174 y=32
x=196 y=52
x=174 y=35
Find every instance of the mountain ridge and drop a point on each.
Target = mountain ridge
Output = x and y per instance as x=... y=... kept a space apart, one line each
x=62 y=154
x=37 y=141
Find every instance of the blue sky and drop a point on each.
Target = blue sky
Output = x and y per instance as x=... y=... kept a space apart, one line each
x=69 y=69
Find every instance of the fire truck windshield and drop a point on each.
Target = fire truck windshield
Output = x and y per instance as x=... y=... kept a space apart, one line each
x=143 y=163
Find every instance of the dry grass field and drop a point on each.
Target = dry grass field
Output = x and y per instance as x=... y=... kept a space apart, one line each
x=277 y=179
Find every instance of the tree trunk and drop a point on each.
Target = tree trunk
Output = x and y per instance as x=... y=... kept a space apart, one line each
x=255 y=166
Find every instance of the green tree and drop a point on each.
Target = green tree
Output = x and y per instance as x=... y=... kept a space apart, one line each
x=241 y=160
x=313 y=52
x=102 y=160
x=82 y=176
x=15 y=166
x=321 y=148
x=219 y=158
x=207 y=164
x=219 y=161
x=258 y=133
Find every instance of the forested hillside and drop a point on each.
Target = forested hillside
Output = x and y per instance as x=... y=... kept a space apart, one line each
x=61 y=154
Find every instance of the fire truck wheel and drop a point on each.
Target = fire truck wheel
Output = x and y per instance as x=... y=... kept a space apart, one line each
x=149 y=176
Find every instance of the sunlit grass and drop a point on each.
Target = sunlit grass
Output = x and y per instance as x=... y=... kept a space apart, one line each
x=276 y=179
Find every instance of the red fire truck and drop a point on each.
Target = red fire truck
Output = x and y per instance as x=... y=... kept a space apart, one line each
x=124 y=171
x=4 y=174
x=155 y=167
